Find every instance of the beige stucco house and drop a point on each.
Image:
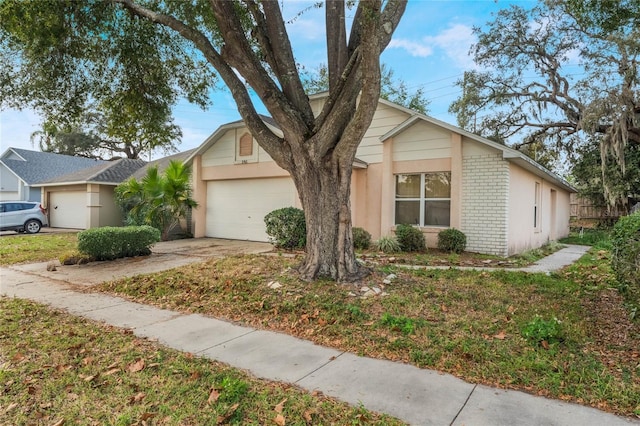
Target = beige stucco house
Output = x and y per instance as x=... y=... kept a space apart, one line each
x=410 y=168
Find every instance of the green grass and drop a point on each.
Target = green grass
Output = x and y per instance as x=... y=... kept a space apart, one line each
x=35 y=248
x=587 y=237
x=468 y=323
x=56 y=368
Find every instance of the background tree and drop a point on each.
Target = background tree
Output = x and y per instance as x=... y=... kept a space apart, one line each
x=527 y=95
x=92 y=136
x=158 y=199
x=391 y=89
x=587 y=175
x=91 y=69
x=247 y=44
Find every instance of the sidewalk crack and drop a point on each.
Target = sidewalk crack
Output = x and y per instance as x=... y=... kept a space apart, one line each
x=333 y=358
x=463 y=405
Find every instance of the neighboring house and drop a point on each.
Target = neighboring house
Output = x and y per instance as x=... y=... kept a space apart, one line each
x=85 y=199
x=22 y=170
x=410 y=168
x=162 y=163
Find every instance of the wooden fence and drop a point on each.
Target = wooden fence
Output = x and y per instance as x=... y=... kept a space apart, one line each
x=583 y=208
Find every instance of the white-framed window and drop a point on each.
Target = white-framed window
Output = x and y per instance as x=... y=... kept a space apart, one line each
x=536 y=207
x=423 y=199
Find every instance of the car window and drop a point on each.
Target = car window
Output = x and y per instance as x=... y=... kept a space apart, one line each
x=1 y=208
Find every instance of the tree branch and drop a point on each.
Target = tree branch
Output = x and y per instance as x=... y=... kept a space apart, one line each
x=271 y=143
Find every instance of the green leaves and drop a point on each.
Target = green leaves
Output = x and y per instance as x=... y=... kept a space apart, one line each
x=67 y=59
x=159 y=199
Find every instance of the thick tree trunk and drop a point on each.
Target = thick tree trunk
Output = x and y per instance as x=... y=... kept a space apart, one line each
x=325 y=192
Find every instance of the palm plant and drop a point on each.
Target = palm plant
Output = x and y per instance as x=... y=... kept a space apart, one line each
x=159 y=200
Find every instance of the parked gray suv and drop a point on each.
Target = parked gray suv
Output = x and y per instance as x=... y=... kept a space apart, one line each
x=22 y=216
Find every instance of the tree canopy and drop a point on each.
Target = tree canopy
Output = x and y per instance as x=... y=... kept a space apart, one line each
x=556 y=75
x=136 y=57
x=391 y=89
x=92 y=137
x=73 y=61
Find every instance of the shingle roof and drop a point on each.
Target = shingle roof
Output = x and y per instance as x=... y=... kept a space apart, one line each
x=39 y=167
x=162 y=163
x=113 y=172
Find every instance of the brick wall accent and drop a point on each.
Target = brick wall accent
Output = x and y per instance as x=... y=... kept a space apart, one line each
x=485 y=194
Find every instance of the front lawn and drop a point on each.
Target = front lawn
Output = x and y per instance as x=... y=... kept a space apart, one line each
x=564 y=336
x=35 y=247
x=57 y=369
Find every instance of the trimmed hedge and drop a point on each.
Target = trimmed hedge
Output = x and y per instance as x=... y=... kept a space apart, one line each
x=410 y=238
x=452 y=240
x=287 y=228
x=109 y=242
x=625 y=260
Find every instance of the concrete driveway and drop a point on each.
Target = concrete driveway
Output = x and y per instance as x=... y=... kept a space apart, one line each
x=165 y=255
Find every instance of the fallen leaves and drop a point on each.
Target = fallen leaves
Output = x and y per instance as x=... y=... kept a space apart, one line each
x=230 y=412
x=136 y=366
x=137 y=398
x=213 y=396
x=279 y=419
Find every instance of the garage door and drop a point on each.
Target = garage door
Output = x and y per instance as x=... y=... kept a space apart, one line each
x=236 y=208
x=68 y=209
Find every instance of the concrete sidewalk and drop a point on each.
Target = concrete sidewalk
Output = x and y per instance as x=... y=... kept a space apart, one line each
x=418 y=396
x=554 y=262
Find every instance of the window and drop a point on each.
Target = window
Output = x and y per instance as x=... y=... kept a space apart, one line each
x=536 y=207
x=423 y=199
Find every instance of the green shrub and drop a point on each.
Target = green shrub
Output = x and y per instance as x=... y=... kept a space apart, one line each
x=539 y=330
x=361 y=238
x=286 y=228
x=625 y=259
x=452 y=240
x=108 y=242
x=410 y=238
x=388 y=244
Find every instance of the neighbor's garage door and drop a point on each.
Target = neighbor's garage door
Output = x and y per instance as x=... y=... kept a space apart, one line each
x=236 y=208
x=68 y=209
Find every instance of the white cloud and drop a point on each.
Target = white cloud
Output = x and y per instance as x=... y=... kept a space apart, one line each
x=454 y=43
x=307 y=29
x=412 y=47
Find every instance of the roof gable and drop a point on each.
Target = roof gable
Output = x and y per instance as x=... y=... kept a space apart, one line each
x=508 y=153
x=34 y=167
x=110 y=173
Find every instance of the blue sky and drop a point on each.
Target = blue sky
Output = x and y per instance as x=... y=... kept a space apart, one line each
x=429 y=50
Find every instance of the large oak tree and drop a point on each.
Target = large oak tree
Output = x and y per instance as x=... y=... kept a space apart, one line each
x=247 y=44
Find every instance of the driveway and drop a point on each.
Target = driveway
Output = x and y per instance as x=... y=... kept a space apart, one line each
x=165 y=255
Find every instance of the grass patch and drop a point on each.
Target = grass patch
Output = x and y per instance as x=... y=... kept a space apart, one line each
x=35 y=248
x=467 y=323
x=56 y=368
x=587 y=236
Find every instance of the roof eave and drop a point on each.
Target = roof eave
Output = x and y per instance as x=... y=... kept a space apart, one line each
x=79 y=182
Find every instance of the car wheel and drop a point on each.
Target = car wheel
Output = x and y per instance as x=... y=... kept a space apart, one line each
x=32 y=226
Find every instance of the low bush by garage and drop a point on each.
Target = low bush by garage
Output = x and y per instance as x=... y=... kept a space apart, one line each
x=108 y=242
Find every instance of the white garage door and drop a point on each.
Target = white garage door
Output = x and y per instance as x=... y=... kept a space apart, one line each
x=236 y=208
x=68 y=209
